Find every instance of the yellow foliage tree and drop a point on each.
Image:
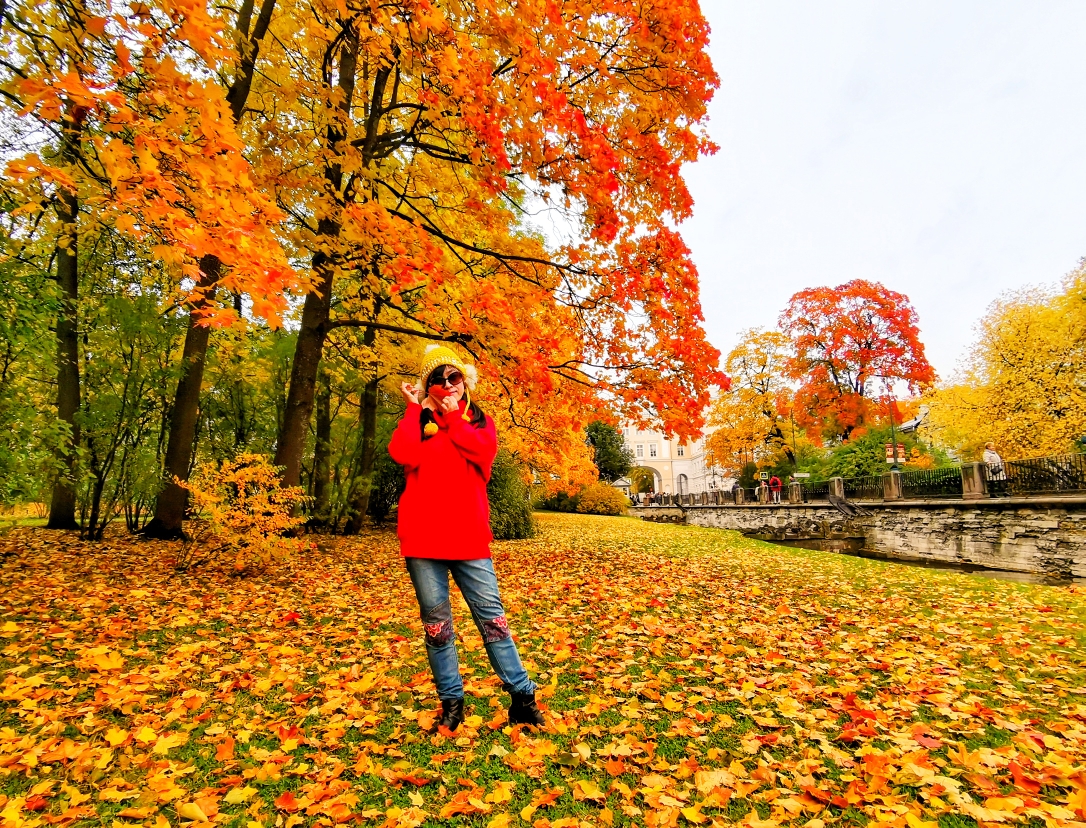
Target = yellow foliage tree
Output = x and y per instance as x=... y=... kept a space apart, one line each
x=1023 y=386
x=744 y=417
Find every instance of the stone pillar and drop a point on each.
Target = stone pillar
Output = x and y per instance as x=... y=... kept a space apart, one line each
x=739 y=496
x=974 y=481
x=891 y=485
x=837 y=487
x=795 y=492
x=763 y=495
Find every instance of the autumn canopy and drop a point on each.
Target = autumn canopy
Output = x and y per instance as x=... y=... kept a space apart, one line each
x=502 y=176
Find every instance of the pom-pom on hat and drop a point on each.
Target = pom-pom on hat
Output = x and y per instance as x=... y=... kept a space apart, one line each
x=437 y=355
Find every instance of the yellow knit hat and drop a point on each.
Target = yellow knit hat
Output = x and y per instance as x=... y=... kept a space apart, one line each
x=437 y=355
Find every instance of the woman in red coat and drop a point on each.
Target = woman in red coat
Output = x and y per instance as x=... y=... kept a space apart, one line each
x=446 y=445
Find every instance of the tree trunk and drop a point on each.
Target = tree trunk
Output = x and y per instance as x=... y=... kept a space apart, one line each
x=362 y=484
x=318 y=302
x=303 y=372
x=62 y=507
x=172 y=500
x=322 y=451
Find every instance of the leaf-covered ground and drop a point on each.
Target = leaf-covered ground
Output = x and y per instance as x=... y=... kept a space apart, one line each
x=691 y=676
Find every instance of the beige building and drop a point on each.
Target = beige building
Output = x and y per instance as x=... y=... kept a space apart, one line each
x=677 y=468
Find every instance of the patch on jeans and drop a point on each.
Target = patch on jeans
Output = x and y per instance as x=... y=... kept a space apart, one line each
x=496 y=629
x=438 y=625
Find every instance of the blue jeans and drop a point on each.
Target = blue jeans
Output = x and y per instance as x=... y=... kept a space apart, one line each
x=479 y=586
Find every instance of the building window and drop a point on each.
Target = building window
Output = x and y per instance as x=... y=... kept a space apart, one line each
x=640 y=451
x=652 y=450
x=680 y=451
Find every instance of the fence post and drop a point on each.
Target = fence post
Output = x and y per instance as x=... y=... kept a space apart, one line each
x=795 y=492
x=837 y=487
x=891 y=486
x=974 y=481
x=763 y=495
x=740 y=496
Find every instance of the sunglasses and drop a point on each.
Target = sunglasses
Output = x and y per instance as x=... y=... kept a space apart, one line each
x=455 y=378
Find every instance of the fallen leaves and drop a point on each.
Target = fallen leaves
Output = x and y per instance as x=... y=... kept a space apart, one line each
x=692 y=677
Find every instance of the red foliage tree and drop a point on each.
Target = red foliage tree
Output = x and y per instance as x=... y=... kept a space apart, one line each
x=848 y=342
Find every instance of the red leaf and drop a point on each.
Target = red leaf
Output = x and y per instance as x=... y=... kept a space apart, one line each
x=286 y=802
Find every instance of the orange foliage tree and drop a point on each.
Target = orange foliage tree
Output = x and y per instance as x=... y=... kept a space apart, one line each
x=413 y=142
x=850 y=342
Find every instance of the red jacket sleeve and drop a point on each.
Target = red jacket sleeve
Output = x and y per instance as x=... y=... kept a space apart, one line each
x=477 y=445
x=406 y=442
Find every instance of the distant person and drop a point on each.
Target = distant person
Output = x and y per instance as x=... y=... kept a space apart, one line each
x=775 y=488
x=763 y=492
x=997 y=475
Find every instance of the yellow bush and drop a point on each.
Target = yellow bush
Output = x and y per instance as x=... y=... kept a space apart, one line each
x=601 y=499
x=242 y=510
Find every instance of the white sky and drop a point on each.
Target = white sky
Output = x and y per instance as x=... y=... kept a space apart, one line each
x=936 y=147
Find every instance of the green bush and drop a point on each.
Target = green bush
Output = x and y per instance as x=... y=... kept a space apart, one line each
x=510 y=508
x=389 y=479
x=601 y=499
x=560 y=502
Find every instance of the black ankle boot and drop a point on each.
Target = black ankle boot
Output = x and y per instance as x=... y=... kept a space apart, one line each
x=523 y=710
x=452 y=713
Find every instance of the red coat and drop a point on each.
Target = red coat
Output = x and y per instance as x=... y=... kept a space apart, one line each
x=446 y=486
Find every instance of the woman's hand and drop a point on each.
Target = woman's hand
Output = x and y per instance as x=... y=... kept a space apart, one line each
x=448 y=405
x=410 y=393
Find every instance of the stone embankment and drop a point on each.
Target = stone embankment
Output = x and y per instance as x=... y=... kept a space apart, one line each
x=1040 y=535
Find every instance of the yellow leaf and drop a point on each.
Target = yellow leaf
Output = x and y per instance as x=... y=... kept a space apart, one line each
x=706 y=780
x=916 y=822
x=587 y=789
x=693 y=815
x=190 y=810
x=416 y=798
x=500 y=821
x=289 y=745
x=170 y=741
x=146 y=735
x=235 y=796
x=115 y=736
x=115 y=795
x=503 y=792
x=108 y=660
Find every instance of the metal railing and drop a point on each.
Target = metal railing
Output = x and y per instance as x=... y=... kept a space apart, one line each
x=816 y=490
x=1039 y=475
x=868 y=487
x=932 y=483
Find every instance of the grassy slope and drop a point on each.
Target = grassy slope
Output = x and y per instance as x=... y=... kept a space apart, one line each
x=691 y=676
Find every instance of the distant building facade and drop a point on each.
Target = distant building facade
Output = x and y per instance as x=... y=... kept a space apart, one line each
x=677 y=468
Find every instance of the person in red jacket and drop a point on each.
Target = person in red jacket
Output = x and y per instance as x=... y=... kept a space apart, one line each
x=446 y=445
x=775 y=489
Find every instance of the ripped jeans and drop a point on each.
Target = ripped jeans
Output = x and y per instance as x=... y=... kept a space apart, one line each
x=479 y=586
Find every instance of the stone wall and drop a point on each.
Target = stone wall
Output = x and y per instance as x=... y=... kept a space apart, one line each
x=1039 y=535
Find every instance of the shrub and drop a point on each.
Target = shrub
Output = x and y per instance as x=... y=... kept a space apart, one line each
x=510 y=507
x=601 y=499
x=244 y=512
x=559 y=502
x=389 y=479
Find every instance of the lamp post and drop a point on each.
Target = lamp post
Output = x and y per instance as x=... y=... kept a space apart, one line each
x=893 y=434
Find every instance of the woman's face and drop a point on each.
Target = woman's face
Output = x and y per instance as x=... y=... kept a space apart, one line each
x=448 y=377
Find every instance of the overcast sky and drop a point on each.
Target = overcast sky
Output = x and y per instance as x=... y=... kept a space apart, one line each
x=936 y=147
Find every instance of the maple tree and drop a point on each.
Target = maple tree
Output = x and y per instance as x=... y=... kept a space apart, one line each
x=849 y=343
x=690 y=676
x=744 y=417
x=1022 y=385
x=430 y=158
